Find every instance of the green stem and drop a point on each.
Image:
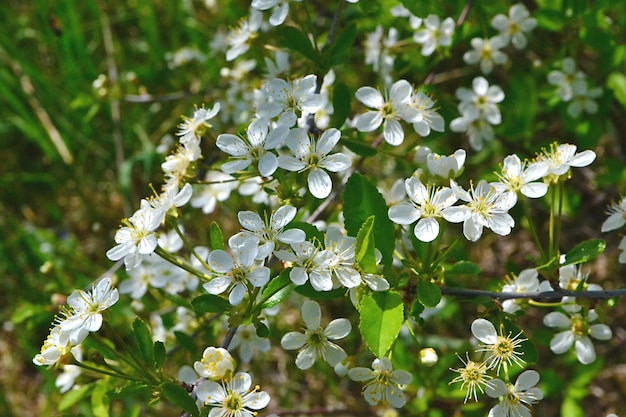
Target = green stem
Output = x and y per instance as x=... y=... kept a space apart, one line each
x=136 y=362
x=189 y=247
x=181 y=264
x=533 y=231
x=106 y=372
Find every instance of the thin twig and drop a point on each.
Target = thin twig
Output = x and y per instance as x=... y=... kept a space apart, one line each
x=541 y=296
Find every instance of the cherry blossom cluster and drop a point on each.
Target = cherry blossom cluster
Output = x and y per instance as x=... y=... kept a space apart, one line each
x=498 y=351
x=574 y=88
x=485 y=205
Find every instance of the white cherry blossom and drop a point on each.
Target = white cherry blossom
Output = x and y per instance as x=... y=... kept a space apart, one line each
x=426 y=205
x=238 y=272
x=575 y=331
x=485 y=207
x=428 y=119
x=313 y=156
x=515 y=27
x=216 y=188
x=238 y=39
x=387 y=112
x=446 y=166
x=515 y=399
x=255 y=146
x=268 y=233
x=486 y=52
x=383 y=384
x=617 y=216
x=435 y=33
x=233 y=397
x=562 y=157
x=285 y=99
x=84 y=314
x=316 y=341
x=521 y=177
x=215 y=363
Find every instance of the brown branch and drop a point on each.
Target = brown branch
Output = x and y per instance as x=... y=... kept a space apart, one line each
x=540 y=296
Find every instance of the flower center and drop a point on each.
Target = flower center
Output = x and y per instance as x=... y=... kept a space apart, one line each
x=233 y=401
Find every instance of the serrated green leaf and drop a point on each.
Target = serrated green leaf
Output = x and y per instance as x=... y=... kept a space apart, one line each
x=99 y=402
x=428 y=293
x=74 y=396
x=159 y=354
x=216 y=237
x=178 y=396
x=585 y=251
x=277 y=290
x=144 y=341
x=210 y=303
x=381 y=317
x=294 y=39
x=341 y=105
x=361 y=200
x=365 y=254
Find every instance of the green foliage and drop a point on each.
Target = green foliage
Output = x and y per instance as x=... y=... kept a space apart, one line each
x=362 y=200
x=585 y=251
x=365 y=255
x=179 y=396
x=381 y=317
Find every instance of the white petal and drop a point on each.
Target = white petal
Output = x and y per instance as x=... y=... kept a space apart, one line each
x=336 y=162
x=236 y=294
x=220 y=261
x=393 y=132
x=585 y=351
x=306 y=358
x=259 y=276
x=232 y=145
x=557 y=319
x=527 y=380
x=319 y=183
x=333 y=354
x=427 y=229
x=361 y=374
x=217 y=285
x=600 y=332
x=311 y=314
x=370 y=97
x=293 y=341
x=328 y=140
x=268 y=164
x=404 y=213
x=562 y=342
x=338 y=329
x=290 y=163
x=484 y=331
x=368 y=121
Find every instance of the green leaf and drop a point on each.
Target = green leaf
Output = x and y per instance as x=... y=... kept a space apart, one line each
x=617 y=83
x=311 y=231
x=340 y=49
x=416 y=310
x=364 y=254
x=216 y=237
x=102 y=346
x=178 y=396
x=278 y=289
x=99 y=401
x=262 y=330
x=381 y=317
x=571 y=408
x=358 y=147
x=361 y=200
x=209 y=303
x=428 y=293
x=308 y=291
x=463 y=268
x=585 y=251
x=294 y=39
x=185 y=341
x=423 y=7
x=341 y=105
x=159 y=355
x=144 y=341
x=74 y=396
x=550 y=19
